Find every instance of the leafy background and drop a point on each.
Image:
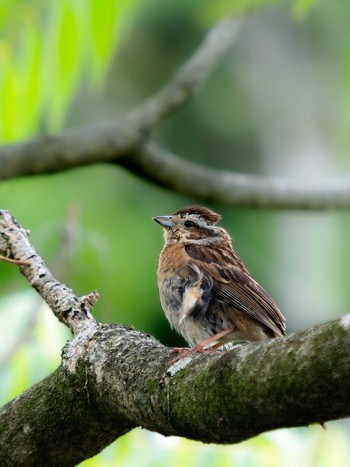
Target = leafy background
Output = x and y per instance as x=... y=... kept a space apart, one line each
x=279 y=105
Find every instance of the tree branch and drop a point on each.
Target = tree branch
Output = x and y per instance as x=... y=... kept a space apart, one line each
x=119 y=383
x=109 y=141
x=66 y=246
x=125 y=142
x=113 y=379
x=170 y=171
x=74 y=312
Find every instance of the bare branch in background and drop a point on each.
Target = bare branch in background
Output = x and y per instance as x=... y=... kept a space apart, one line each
x=124 y=142
x=24 y=335
x=106 y=142
x=188 y=178
x=69 y=239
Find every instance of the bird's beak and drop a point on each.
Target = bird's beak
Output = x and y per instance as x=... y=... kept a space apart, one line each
x=164 y=221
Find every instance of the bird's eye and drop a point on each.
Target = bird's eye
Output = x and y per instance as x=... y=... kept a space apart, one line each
x=190 y=224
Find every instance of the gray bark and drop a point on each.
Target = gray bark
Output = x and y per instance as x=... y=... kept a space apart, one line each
x=116 y=379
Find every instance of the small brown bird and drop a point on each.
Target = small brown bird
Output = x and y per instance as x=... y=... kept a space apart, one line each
x=206 y=292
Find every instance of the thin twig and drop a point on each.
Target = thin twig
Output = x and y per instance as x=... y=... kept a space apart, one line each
x=18 y=262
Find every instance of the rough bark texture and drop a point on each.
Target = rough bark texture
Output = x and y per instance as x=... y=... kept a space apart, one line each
x=69 y=309
x=120 y=381
x=53 y=423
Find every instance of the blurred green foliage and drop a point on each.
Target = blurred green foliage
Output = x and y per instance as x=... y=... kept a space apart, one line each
x=277 y=101
x=303 y=447
x=302 y=7
x=46 y=50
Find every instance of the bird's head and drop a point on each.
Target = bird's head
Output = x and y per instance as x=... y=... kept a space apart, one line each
x=193 y=224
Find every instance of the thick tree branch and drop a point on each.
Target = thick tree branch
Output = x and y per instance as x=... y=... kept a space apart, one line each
x=113 y=379
x=124 y=142
x=119 y=383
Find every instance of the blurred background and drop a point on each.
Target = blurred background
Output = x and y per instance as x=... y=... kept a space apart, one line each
x=278 y=104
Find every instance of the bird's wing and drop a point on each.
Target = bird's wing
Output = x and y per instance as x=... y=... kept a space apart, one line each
x=233 y=284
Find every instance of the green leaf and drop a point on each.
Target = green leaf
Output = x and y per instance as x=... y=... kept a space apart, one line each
x=46 y=50
x=29 y=81
x=8 y=94
x=63 y=59
x=105 y=20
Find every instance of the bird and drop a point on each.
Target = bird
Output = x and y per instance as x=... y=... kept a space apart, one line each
x=206 y=292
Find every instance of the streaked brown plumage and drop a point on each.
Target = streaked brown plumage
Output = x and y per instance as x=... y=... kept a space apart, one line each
x=205 y=289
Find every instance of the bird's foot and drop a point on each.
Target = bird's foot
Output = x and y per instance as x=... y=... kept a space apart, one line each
x=202 y=347
x=186 y=352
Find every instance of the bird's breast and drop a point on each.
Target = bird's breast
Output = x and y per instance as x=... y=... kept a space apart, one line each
x=175 y=282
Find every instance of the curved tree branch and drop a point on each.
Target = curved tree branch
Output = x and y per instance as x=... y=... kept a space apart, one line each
x=109 y=141
x=124 y=142
x=119 y=383
x=113 y=379
x=168 y=170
